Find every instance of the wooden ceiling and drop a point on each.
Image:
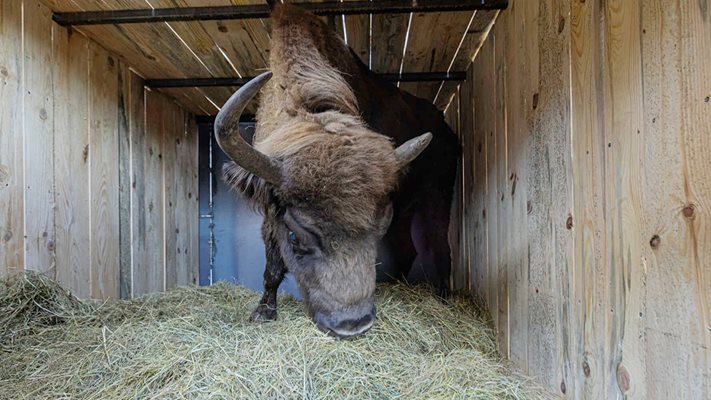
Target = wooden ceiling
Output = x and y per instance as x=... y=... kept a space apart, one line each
x=389 y=43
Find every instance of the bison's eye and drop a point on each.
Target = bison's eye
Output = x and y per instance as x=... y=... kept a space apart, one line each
x=293 y=240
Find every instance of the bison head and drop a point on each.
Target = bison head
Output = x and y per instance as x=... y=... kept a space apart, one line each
x=322 y=178
x=325 y=192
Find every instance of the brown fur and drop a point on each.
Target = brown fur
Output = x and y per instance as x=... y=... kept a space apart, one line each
x=337 y=174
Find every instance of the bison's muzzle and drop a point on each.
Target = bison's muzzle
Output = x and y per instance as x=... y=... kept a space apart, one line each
x=345 y=326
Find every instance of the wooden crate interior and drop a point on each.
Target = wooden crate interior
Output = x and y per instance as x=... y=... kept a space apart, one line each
x=581 y=213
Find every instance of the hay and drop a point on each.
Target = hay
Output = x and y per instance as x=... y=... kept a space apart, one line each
x=197 y=343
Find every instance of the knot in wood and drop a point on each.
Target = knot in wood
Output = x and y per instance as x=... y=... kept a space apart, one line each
x=623 y=378
x=586 y=369
x=655 y=241
x=689 y=210
x=569 y=222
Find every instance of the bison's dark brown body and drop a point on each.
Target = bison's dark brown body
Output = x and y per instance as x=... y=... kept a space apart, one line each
x=334 y=189
x=424 y=197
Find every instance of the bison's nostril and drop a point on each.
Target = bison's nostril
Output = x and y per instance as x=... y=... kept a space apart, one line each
x=355 y=324
x=345 y=328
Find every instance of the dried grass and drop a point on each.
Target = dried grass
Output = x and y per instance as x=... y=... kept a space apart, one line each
x=197 y=343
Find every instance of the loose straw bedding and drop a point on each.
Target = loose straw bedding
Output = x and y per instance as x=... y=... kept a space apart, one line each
x=197 y=343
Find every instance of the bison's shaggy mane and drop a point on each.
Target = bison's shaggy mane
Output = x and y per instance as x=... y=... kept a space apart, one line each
x=308 y=118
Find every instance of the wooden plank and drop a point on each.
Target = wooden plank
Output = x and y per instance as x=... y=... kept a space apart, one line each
x=236 y=40
x=674 y=315
x=103 y=169
x=421 y=56
x=549 y=190
x=514 y=153
x=467 y=137
x=12 y=232
x=199 y=41
x=588 y=209
x=471 y=43
x=117 y=39
x=185 y=210
x=389 y=32
x=166 y=53
x=247 y=41
x=71 y=133
x=192 y=55
x=130 y=87
x=147 y=196
x=496 y=182
x=173 y=208
x=170 y=194
x=452 y=119
x=623 y=119
x=486 y=170
x=192 y=99
x=358 y=35
x=38 y=120
x=191 y=199
x=136 y=129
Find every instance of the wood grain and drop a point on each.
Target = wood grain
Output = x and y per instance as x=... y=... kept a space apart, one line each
x=190 y=201
x=358 y=30
x=674 y=179
x=38 y=120
x=12 y=257
x=451 y=116
x=467 y=139
x=496 y=184
x=473 y=39
x=103 y=170
x=588 y=208
x=129 y=88
x=486 y=185
x=604 y=135
x=72 y=177
x=173 y=130
x=448 y=28
x=70 y=113
x=389 y=32
x=516 y=255
x=147 y=196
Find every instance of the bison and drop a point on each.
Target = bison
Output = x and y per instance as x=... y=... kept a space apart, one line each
x=331 y=169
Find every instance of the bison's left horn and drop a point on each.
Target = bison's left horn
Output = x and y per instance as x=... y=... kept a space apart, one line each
x=231 y=142
x=409 y=150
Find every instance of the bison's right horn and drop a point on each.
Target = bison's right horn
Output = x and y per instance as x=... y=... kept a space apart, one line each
x=409 y=150
x=231 y=142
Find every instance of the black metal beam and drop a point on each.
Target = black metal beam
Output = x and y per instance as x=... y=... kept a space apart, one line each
x=207 y=82
x=264 y=10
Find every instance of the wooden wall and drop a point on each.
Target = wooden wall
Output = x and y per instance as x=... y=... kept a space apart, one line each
x=585 y=191
x=98 y=177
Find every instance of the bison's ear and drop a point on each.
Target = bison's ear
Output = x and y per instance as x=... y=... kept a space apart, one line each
x=409 y=150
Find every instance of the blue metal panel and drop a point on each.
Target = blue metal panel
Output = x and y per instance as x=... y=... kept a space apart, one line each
x=237 y=248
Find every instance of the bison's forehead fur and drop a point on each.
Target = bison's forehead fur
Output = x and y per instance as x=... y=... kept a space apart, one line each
x=333 y=164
